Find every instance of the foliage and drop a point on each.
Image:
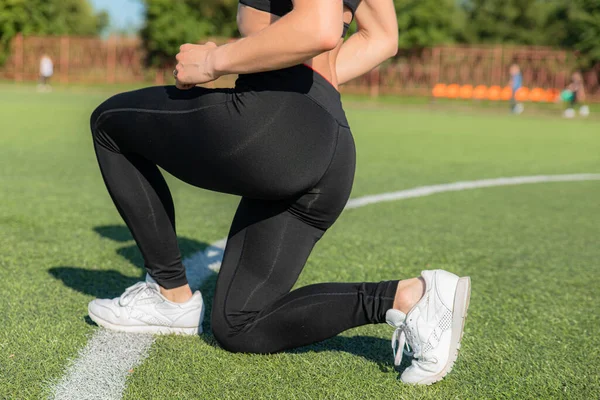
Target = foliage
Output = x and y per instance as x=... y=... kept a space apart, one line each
x=506 y=21
x=424 y=23
x=575 y=24
x=170 y=23
x=47 y=17
x=570 y=24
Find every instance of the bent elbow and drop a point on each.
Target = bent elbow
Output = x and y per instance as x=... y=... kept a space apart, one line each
x=327 y=38
x=320 y=42
x=392 y=46
x=329 y=43
x=320 y=31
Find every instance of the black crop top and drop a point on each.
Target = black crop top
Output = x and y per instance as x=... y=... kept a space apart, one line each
x=282 y=7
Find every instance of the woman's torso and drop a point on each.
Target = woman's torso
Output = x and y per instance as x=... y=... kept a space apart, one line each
x=251 y=20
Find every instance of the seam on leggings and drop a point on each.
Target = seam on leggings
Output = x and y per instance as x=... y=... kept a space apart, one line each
x=138 y=175
x=314 y=295
x=333 y=154
x=311 y=98
x=276 y=258
x=237 y=267
x=151 y=111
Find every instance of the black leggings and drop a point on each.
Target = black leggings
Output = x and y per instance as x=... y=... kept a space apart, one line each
x=281 y=141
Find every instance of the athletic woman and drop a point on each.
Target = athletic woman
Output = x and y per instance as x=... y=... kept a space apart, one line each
x=281 y=141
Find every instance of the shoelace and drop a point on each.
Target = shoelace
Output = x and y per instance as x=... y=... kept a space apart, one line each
x=131 y=292
x=402 y=344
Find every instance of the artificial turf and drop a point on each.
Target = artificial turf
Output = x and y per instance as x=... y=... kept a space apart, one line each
x=532 y=252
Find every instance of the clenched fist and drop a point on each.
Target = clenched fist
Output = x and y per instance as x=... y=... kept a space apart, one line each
x=194 y=65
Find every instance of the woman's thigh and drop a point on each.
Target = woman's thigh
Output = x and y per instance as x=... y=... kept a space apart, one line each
x=268 y=145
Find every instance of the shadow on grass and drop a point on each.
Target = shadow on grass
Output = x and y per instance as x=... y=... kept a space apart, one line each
x=109 y=284
x=118 y=233
x=102 y=284
x=371 y=348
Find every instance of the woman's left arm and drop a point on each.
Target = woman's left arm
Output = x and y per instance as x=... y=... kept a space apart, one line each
x=375 y=41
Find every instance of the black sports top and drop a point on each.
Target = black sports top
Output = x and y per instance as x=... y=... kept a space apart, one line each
x=282 y=7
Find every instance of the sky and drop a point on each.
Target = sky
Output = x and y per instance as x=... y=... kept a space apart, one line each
x=124 y=14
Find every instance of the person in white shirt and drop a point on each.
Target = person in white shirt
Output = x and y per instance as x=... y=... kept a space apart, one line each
x=46 y=72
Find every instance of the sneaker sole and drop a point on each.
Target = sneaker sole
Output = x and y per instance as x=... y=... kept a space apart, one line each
x=462 y=298
x=148 y=329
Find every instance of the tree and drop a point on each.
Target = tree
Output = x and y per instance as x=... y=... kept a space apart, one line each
x=424 y=23
x=47 y=17
x=506 y=21
x=575 y=24
x=170 y=23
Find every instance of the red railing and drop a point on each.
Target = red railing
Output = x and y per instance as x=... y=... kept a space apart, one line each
x=415 y=72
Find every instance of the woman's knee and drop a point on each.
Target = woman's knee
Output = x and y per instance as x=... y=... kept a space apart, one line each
x=235 y=339
x=98 y=115
x=225 y=335
x=240 y=343
x=122 y=101
x=100 y=135
x=103 y=134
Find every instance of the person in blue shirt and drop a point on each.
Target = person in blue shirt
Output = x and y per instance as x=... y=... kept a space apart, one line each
x=516 y=82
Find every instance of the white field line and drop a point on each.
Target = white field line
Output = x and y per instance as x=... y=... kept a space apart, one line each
x=458 y=186
x=101 y=369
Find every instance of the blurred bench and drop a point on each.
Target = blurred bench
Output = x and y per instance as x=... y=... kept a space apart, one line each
x=493 y=93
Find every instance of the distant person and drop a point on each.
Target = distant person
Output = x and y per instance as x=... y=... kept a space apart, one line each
x=280 y=140
x=515 y=83
x=46 y=72
x=574 y=95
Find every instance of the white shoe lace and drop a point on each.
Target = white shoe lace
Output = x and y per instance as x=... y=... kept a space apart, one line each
x=131 y=292
x=403 y=344
x=399 y=344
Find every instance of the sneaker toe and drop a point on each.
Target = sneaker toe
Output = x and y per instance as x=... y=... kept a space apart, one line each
x=102 y=308
x=416 y=375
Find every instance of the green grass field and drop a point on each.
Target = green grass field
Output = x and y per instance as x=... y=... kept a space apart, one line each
x=532 y=252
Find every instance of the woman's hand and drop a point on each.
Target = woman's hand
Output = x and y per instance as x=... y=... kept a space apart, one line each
x=195 y=65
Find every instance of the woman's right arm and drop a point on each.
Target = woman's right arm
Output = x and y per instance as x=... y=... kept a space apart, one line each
x=311 y=28
x=375 y=41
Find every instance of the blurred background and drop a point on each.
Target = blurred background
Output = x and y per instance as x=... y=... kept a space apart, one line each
x=443 y=110
x=448 y=48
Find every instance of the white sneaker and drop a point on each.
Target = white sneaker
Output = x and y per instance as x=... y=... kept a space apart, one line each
x=569 y=113
x=143 y=309
x=433 y=329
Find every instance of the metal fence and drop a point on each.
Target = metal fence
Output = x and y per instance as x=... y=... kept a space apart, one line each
x=415 y=72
